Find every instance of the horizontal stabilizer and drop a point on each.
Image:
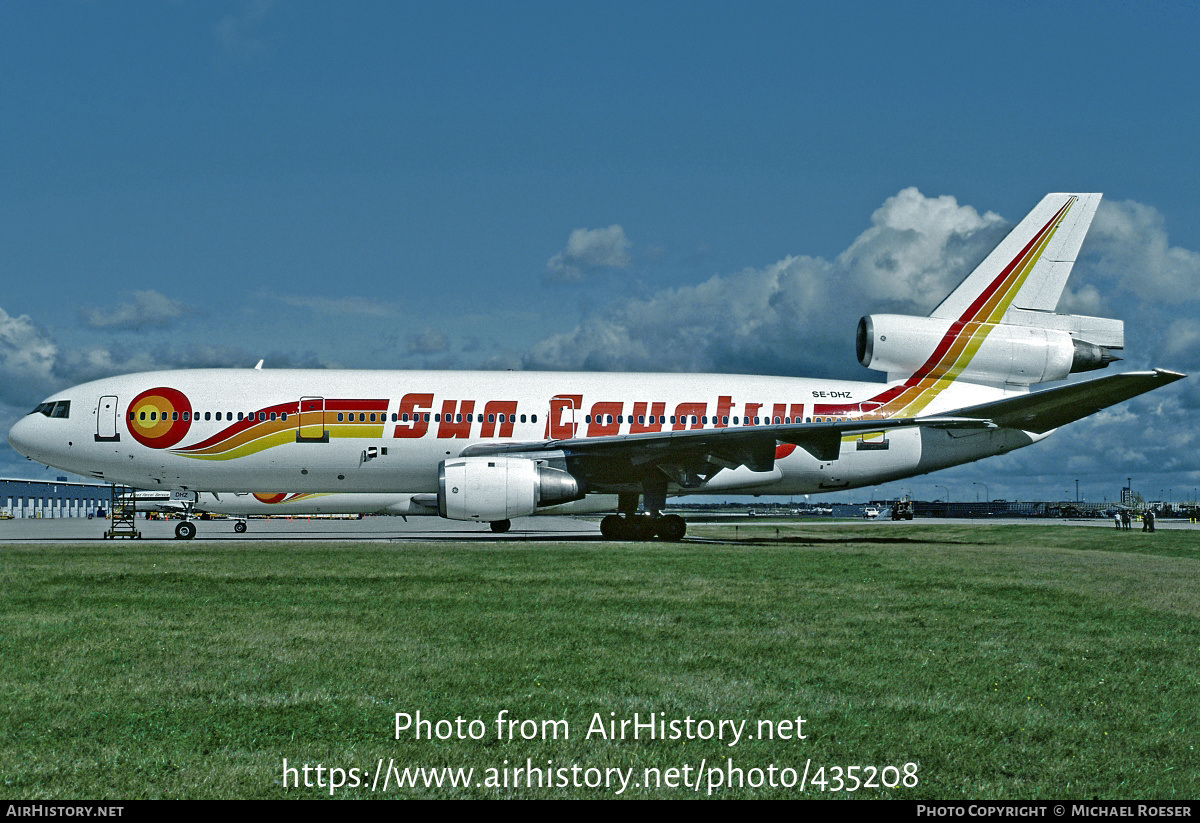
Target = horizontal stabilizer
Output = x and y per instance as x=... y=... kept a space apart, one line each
x=1102 y=331
x=1042 y=411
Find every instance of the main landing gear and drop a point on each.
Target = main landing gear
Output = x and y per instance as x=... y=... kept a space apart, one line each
x=629 y=525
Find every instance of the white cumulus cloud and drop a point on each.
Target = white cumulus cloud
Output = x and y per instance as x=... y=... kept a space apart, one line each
x=919 y=248
x=27 y=355
x=590 y=250
x=1129 y=242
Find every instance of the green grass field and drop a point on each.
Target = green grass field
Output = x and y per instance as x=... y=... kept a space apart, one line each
x=1002 y=662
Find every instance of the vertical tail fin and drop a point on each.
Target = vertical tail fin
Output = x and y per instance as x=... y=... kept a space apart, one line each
x=999 y=326
x=1030 y=267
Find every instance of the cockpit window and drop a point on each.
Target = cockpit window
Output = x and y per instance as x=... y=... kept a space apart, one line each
x=61 y=408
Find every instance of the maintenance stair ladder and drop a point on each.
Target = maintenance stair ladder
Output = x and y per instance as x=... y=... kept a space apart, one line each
x=123 y=510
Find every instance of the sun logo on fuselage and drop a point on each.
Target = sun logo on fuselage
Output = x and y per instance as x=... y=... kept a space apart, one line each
x=159 y=418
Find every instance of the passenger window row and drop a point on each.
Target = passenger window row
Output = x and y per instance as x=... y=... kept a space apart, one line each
x=62 y=408
x=701 y=420
x=470 y=418
x=153 y=416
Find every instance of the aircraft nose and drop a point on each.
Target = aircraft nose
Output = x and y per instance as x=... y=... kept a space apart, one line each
x=23 y=436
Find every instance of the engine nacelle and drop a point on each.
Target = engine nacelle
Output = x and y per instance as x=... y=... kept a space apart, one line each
x=497 y=487
x=994 y=353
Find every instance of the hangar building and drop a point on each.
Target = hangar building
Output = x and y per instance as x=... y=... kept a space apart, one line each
x=52 y=498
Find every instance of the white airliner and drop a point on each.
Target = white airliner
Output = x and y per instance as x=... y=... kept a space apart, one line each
x=490 y=446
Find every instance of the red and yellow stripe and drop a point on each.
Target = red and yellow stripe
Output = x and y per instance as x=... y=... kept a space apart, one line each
x=258 y=431
x=962 y=340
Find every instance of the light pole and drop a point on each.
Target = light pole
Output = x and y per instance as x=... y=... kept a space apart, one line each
x=986 y=496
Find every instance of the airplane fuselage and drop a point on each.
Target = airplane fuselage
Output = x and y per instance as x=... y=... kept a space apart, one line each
x=373 y=431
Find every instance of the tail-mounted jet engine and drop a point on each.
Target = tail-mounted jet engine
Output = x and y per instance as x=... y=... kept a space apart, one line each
x=497 y=487
x=1037 y=348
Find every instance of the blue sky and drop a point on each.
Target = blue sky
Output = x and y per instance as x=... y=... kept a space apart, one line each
x=619 y=185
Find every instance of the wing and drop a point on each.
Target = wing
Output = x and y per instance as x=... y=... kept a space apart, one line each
x=690 y=458
x=1042 y=411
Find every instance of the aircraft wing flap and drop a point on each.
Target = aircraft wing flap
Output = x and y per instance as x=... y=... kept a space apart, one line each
x=1042 y=411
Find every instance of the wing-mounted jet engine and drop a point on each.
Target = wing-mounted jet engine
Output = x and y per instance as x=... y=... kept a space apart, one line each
x=499 y=487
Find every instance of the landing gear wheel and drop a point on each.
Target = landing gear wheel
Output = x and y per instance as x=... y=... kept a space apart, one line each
x=612 y=527
x=642 y=527
x=672 y=527
x=239 y=526
x=185 y=531
x=501 y=526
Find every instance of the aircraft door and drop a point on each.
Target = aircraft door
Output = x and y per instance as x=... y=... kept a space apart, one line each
x=560 y=422
x=311 y=421
x=106 y=420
